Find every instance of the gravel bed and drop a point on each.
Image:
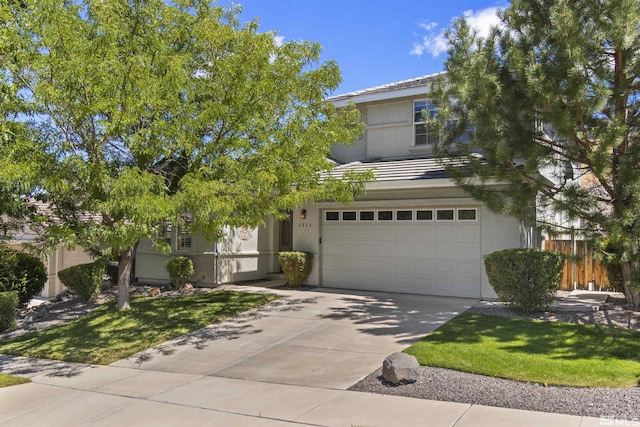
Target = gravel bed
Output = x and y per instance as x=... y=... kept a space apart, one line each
x=454 y=386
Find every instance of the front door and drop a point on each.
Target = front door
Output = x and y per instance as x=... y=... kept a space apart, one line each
x=286 y=234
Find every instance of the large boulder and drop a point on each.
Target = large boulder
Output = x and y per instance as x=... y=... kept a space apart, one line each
x=400 y=368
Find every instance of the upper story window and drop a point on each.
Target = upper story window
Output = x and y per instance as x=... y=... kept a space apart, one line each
x=422 y=134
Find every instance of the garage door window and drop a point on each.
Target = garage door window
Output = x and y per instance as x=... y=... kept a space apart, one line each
x=332 y=216
x=404 y=215
x=424 y=215
x=367 y=216
x=349 y=215
x=467 y=214
x=385 y=215
x=444 y=215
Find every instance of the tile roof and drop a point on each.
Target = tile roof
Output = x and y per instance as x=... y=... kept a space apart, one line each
x=404 y=84
x=400 y=169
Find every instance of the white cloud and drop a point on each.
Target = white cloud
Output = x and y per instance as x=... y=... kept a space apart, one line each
x=483 y=20
x=279 y=40
x=428 y=25
x=418 y=49
x=435 y=42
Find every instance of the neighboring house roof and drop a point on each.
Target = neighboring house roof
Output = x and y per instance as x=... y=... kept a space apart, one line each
x=400 y=169
x=410 y=87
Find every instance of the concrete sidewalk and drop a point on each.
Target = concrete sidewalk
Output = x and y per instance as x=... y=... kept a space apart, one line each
x=286 y=363
x=65 y=394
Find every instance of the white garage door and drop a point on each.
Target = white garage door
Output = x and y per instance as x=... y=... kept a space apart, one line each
x=431 y=251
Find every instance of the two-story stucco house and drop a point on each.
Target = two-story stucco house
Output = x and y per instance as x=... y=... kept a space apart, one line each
x=413 y=231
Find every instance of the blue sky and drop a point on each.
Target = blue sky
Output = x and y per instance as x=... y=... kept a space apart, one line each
x=374 y=41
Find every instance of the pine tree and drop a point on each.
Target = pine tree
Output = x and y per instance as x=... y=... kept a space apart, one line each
x=551 y=101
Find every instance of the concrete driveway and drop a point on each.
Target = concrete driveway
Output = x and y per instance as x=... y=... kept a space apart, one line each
x=326 y=339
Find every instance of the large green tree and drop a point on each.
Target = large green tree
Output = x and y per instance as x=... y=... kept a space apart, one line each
x=551 y=102
x=147 y=111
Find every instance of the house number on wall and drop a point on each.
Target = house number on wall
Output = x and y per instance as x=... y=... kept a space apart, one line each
x=244 y=233
x=304 y=225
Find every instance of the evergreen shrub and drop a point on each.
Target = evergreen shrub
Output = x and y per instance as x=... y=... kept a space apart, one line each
x=23 y=273
x=84 y=279
x=180 y=269
x=296 y=266
x=8 y=306
x=525 y=279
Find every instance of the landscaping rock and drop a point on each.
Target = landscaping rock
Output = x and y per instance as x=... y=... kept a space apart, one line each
x=154 y=292
x=400 y=368
x=187 y=287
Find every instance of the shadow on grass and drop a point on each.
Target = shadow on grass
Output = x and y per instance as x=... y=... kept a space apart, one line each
x=106 y=334
x=554 y=339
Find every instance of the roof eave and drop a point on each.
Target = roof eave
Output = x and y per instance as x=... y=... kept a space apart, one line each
x=381 y=96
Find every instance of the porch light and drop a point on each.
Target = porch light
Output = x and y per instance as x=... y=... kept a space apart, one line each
x=303 y=214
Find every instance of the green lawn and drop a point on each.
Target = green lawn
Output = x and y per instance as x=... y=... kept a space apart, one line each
x=107 y=335
x=7 y=380
x=534 y=351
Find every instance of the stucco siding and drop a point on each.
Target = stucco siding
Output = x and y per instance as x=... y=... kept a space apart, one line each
x=498 y=232
x=244 y=254
x=347 y=153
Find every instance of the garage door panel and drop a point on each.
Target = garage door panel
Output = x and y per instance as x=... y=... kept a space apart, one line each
x=367 y=234
x=384 y=233
x=469 y=233
x=447 y=250
x=404 y=250
x=426 y=233
x=469 y=251
x=446 y=233
x=405 y=233
x=426 y=249
x=404 y=266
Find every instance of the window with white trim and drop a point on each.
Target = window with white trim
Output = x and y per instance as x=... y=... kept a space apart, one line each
x=424 y=215
x=332 y=216
x=349 y=215
x=445 y=215
x=385 y=215
x=467 y=214
x=422 y=134
x=184 y=238
x=404 y=215
x=367 y=216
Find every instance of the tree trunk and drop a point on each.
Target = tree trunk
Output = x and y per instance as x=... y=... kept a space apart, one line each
x=124 y=277
x=631 y=291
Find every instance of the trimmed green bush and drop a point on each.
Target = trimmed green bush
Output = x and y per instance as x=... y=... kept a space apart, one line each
x=296 y=266
x=525 y=279
x=23 y=273
x=84 y=279
x=180 y=269
x=8 y=306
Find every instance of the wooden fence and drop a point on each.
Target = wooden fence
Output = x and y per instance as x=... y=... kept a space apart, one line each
x=581 y=267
